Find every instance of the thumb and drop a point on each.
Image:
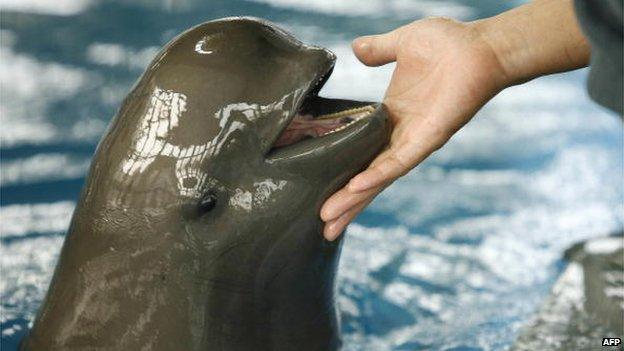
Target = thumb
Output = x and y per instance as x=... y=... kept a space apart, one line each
x=376 y=50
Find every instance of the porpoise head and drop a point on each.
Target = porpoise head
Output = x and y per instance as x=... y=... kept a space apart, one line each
x=199 y=224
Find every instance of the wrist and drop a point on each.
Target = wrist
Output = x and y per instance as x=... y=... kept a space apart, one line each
x=503 y=47
x=535 y=39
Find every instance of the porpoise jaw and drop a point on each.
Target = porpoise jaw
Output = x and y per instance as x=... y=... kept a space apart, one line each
x=198 y=227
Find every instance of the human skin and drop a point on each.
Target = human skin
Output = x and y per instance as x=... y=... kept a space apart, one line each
x=445 y=72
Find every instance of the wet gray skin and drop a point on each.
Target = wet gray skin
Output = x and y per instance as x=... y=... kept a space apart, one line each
x=198 y=227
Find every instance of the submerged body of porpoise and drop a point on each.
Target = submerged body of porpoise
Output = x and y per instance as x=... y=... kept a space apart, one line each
x=198 y=227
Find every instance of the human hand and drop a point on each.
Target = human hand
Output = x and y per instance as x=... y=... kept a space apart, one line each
x=445 y=72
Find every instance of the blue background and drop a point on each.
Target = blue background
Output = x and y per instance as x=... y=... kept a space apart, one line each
x=457 y=255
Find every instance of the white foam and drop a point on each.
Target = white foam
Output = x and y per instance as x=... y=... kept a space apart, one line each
x=27 y=267
x=350 y=72
x=88 y=129
x=402 y=9
x=28 y=88
x=56 y=7
x=604 y=246
x=109 y=54
x=570 y=289
x=19 y=220
x=615 y=292
x=42 y=167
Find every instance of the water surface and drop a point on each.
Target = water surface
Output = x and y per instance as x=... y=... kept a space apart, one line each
x=457 y=255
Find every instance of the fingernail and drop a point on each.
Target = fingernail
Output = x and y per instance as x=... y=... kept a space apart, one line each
x=323 y=214
x=331 y=230
x=326 y=214
x=361 y=43
x=330 y=210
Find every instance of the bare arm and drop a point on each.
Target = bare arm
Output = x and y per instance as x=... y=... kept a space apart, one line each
x=446 y=71
x=539 y=38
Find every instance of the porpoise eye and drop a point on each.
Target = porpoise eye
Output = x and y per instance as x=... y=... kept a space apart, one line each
x=207 y=202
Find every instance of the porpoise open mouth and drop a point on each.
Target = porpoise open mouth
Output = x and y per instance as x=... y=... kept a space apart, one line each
x=318 y=117
x=307 y=125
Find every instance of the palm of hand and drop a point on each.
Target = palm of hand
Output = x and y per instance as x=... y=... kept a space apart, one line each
x=445 y=72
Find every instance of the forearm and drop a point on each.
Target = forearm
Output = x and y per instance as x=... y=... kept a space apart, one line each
x=535 y=39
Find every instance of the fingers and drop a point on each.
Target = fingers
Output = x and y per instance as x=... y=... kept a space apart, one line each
x=340 y=209
x=334 y=228
x=345 y=204
x=386 y=170
x=342 y=201
x=376 y=50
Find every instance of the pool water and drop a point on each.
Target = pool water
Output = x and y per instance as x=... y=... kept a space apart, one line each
x=458 y=255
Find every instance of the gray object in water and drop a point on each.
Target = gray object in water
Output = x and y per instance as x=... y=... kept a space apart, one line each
x=198 y=226
x=586 y=303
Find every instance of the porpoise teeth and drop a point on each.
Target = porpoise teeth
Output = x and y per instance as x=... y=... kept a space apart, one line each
x=354 y=115
x=348 y=113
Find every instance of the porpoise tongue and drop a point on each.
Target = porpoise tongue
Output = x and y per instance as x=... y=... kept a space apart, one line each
x=305 y=126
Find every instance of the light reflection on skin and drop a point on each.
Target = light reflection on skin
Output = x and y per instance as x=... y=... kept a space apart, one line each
x=200 y=50
x=261 y=196
x=155 y=139
x=185 y=232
